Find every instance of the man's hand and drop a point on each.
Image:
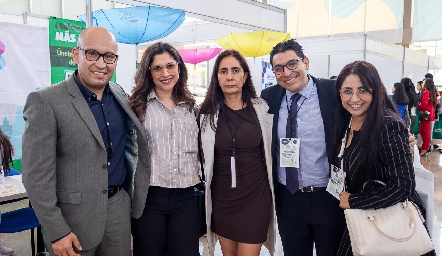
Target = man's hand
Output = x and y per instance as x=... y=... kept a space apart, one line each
x=343 y=200
x=63 y=247
x=411 y=140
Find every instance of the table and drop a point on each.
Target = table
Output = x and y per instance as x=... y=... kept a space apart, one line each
x=12 y=190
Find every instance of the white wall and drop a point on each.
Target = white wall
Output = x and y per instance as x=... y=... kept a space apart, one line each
x=127 y=57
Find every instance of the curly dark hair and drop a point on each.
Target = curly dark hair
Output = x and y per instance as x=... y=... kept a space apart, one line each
x=290 y=44
x=6 y=151
x=399 y=95
x=144 y=82
x=369 y=135
x=215 y=97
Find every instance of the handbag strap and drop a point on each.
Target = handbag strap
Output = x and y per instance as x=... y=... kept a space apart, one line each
x=412 y=224
x=200 y=149
x=406 y=206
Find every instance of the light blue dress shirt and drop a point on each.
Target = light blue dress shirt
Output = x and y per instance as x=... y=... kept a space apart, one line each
x=314 y=167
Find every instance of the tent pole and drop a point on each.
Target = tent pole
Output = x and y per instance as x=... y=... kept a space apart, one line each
x=89 y=13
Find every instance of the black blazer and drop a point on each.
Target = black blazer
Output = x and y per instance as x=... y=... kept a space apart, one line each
x=327 y=103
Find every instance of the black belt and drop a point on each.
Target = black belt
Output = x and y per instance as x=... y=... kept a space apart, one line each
x=312 y=189
x=112 y=191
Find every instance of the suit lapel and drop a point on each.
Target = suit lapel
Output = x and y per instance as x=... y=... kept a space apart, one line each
x=123 y=100
x=326 y=104
x=83 y=109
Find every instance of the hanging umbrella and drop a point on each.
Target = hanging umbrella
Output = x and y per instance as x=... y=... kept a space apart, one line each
x=194 y=56
x=253 y=44
x=138 y=24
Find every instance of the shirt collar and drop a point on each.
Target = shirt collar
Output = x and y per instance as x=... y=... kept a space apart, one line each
x=153 y=95
x=306 y=91
x=88 y=94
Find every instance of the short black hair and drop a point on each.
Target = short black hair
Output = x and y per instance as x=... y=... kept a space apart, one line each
x=429 y=75
x=333 y=77
x=283 y=46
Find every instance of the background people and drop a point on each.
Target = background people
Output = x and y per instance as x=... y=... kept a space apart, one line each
x=310 y=215
x=427 y=103
x=6 y=153
x=169 y=224
x=412 y=100
x=235 y=125
x=73 y=163
x=400 y=100
x=368 y=121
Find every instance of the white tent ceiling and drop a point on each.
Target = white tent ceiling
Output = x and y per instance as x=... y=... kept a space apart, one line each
x=219 y=18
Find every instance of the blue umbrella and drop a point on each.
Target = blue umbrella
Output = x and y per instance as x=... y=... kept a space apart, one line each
x=138 y=24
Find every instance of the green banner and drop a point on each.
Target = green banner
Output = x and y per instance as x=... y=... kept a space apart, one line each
x=63 y=36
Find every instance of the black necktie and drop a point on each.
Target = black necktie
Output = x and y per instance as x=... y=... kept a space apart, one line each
x=291 y=173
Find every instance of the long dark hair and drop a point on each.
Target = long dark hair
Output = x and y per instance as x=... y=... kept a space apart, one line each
x=399 y=96
x=215 y=97
x=369 y=134
x=6 y=151
x=144 y=82
x=429 y=85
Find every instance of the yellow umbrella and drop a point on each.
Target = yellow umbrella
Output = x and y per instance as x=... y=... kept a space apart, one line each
x=253 y=44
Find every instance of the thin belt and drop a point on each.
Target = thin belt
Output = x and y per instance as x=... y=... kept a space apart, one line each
x=309 y=189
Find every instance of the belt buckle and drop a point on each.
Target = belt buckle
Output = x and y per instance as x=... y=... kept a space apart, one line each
x=307 y=189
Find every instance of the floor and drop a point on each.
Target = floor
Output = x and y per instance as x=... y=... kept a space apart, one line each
x=20 y=242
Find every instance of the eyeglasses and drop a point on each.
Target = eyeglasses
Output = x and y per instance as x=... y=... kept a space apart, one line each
x=361 y=92
x=291 y=65
x=225 y=71
x=92 y=55
x=170 y=67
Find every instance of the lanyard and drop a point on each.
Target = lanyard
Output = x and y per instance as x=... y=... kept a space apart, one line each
x=297 y=110
x=233 y=134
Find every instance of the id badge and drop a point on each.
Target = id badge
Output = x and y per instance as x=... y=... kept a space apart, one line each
x=336 y=182
x=289 y=152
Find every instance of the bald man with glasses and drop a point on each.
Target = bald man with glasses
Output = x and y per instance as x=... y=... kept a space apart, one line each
x=80 y=155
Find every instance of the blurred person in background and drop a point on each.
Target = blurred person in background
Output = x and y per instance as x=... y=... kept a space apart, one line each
x=400 y=100
x=6 y=153
x=427 y=103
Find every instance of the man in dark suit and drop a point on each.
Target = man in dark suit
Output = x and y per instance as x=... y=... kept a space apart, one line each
x=80 y=155
x=307 y=214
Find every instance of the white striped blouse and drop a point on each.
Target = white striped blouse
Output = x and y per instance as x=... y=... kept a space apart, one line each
x=172 y=138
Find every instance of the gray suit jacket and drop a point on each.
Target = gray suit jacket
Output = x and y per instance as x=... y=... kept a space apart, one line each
x=64 y=162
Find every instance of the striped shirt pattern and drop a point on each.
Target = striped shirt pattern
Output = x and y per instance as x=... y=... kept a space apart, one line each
x=393 y=166
x=172 y=142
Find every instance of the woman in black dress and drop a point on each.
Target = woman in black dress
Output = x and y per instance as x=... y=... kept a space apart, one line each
x=236 y=140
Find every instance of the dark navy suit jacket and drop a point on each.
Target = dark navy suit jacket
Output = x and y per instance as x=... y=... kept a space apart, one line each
x=327 y=103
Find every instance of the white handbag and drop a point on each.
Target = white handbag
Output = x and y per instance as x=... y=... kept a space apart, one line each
x=425 y=188
x=395 y=230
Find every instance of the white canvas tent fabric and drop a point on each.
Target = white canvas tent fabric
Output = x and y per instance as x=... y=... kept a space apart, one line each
x=24 y=67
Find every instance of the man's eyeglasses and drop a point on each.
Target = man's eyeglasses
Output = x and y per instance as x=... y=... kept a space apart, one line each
x=291 y=65
x=92 y=55
x=170 y=67
x=361 y=92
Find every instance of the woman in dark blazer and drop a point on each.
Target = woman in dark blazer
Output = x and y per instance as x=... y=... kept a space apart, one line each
x=375 y=145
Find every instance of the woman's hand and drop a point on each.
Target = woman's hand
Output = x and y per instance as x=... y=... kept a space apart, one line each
x=343 y=200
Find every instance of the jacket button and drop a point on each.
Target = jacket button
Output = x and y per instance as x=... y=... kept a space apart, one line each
x=104 y=166
x=105 y=191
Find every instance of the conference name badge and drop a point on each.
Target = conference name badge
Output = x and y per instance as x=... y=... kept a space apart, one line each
x=289 y=152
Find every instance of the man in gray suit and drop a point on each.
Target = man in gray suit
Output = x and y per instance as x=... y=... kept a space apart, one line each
x=80 y=155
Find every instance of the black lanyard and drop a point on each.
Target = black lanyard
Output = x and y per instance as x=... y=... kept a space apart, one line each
x=297 y=110
x=233 y=134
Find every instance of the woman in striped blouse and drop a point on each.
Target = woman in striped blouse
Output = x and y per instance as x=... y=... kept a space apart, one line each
x=375 y=145
x=161 y=99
